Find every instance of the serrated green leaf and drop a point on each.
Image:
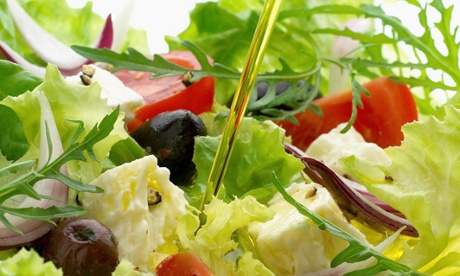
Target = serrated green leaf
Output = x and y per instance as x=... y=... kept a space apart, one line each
x=13 y=168
x=47 y=214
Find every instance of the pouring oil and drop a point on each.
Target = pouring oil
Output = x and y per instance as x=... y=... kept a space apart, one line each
x=248 y=78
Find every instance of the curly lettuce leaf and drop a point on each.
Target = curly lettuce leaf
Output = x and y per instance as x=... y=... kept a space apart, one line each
x=69 y=103
x=213 y=241
x=257 y=150
x=425 y=188
x=28 y=262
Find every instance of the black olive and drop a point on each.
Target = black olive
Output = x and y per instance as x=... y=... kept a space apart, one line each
x=81 y=246
x=170 y=136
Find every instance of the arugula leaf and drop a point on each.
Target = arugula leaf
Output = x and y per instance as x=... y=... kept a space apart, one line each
x=17 y=166
x=357 y=88
x=356 y=251
x=283 y=106
x=294 y=98
x=375 y=60
x=23 y=184
x=47 y=214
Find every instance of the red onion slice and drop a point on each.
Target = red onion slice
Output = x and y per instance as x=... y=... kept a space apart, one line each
x=47 y=47
x=33 y=229
x=353 y=204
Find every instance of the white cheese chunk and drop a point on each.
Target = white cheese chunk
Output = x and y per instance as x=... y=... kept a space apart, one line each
x=145 y=233
x=292 y=244
x=332 y=146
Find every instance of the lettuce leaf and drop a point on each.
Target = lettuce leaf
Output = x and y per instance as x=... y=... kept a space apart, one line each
x=258 y=149
x=425 y=187
x=28 y=262
x=15 y=81
x=69 y=103
x=213 y=242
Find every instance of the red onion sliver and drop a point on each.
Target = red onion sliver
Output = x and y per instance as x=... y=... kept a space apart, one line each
x=47 y=47
x=353 y=204
x=33 y=229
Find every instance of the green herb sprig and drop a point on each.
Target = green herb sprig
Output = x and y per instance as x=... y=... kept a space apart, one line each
x=23 y=184
x=374 y=62
x=294 y=99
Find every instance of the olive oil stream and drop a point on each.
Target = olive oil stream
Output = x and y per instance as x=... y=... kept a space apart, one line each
x=243 y=93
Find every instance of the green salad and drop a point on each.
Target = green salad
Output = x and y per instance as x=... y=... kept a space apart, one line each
x=372 y=192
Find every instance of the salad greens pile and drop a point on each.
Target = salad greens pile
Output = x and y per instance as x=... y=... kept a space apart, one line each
x=424 y=168
x=79 y=134
x=394 y=51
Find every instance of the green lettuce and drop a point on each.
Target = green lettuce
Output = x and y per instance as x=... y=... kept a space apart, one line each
x=425 y=187
x=213 y=242
x=15 y=81
x=257 y=151
x=71 y=105
x=28 y=262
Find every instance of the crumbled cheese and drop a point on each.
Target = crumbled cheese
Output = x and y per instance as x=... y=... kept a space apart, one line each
x=332 y=146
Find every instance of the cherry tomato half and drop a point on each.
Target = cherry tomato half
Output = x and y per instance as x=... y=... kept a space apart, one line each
x=169 y=93
x=389 y=106
x=184 y=263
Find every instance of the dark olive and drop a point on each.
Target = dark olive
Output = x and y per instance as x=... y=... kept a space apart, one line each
x=170 y=136
x=82 y=246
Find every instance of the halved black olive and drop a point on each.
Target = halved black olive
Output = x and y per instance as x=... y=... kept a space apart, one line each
x=170 y=136
x=81 y=246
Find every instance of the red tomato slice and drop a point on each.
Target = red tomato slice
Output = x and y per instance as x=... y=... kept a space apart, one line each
x=385 y=111
x=184 y=263
x=169 y=93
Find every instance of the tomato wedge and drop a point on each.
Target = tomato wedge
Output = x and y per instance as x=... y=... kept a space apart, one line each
x=169 y=93
x=184 y=263
x=389 y=106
